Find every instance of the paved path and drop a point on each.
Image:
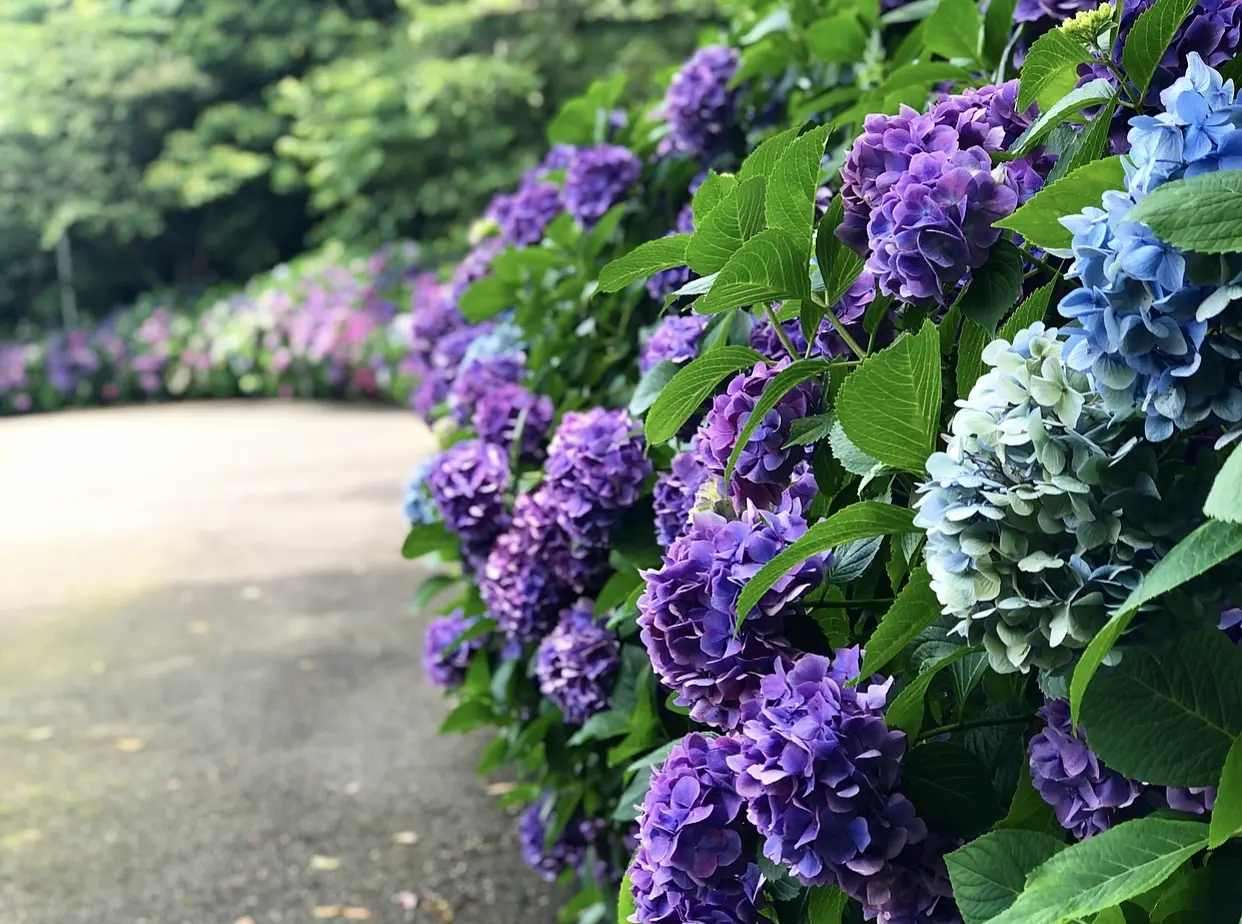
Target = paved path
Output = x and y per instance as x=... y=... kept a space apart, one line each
x=211 y=708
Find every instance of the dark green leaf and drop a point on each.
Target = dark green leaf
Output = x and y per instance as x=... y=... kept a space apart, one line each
x=1027 y=810
x=1149 y=38
x=616 y=590
x=825 y=905
x=836 y=40
x=988 y=874
x=906 y=710
x=691 y=386
x=1087 y=145
x=994 y=287
x=1224 y=502
x=915 y=608
x=430 y=588
x=998 y=23
x=643 y=261
x=1227 y=812
x=1032 y=309
x=467 y=716
x=807 y=430
x=951 y=788
x=651 y=384
x=486 y=298
x=1051 y=55
x=1039 y=219
x=425 y=538
x=970 y=363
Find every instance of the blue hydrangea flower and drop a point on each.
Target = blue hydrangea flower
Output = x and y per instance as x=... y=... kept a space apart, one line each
x=417 y=503
x=670 y=280
x=674 y=496
x=675 y=339
x=528 y=213
x=479 y=378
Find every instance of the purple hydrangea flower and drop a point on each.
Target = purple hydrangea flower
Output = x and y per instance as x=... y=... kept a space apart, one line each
x=688 y=610
x=913 y=888
x=850 y=311
x=530 y=211
x=596 y=468
x=478 y=378
x=476 y=265
x=670 y=280
x=1231 y=623
x=498 y=412
x=1085 y=793
x=1196 y=800
x=936 y=224
x=987 y=117
x=597 y=179
x=765 y=464
x=818 y=769
x=676 y=339
x=692 y=864
x=567 y=852
x=577 y=662
x=468 y=486
x=674 y=496
x=444 y=665
x=699 y=107
x=765 y=340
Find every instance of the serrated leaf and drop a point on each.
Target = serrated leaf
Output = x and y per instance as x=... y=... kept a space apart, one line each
x=1032 y=309
x=1206 y=547
x=1087 y=145
x=915 y=608
x=1051 y=55
x=858 y=521
x=851 y=559
x=890 y=405
x=425 y=538
x=1190 y=697
x=770 y=266
x=994 y=287
x=760 y=162
x=807 y=430
x=1027 y=810
x=1224 y=501
x=776 y=388
x=789 y=200
x=1039 y=219
x=953 y=30
x=691 y=386
x=714 y=189
x=1097 y=92
x=727 y=227
x=1105 y=870
x=730 y=327
x=1199 y=214
x=1149 y=38
x=989 y=873
x=951 y=788
x=838 y=265
x=1227 y=812
x=825 y=905
x=852 y=459
x=970 y=363
x=626 y=906
x=906 y=710
x=643 y=261
x=651 y=384
x=836 y=40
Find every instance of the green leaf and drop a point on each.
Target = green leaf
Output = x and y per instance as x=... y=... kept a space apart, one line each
x=426 y=538
x=836 y=40
x=852 y=459
x=771 y=265
x=890 y=405
x=651 y=384
x=762 y=160
x=1039 y=219
x=714 y=189
x=825 y=905
x=616 y=590
x=1227 y=813
x=988 y=874
x=643 y=261
x=994 y=287
x=1051 y=55
x=729 y=327
x=1189 y=695
x=1199 y=214
x=852 y=559
x=626 y=907
x=1027 y=810
x=1087 y=145
x=1097 y=92
x=430 y=588
x=690 y=388
x=1032 y=309
x=909 y=12
x=603 y=230
x=1209 y=545
x=727 y=227
x=467 y=716
x=951 y=788
x=926 y=75
x=477 y=629
x=953 y=30
x=998 y=23
x=789 y=200
x=858 y=521
x=1149 y=38
x=807 y=430
x=915 y=608
x=970 y=363
x=1105 y=870
x=906 y=711
x=1224 y=501
x=838 y=265
x=776 y=388
x=486 y=298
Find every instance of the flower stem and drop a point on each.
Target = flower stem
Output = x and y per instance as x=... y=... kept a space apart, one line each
x=780 y=331
x=974 y=723
x=841 y=331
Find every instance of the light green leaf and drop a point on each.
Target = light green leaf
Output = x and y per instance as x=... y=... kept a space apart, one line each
x=838 y=265
x=915 y=608
x=807 y=430
x=468 y=716
x=425 y=538
x=1227 y=812
x=998 y=23
x=858 y=521
x=926 y=74
x=714 y=189
x=953 y=30
x=651 y=384
x=890 y=405
x=771 y=265
x=1051 y=55
x=852 y=459
x=1189 y=695
x=643 y=261
x=836 y=40
x=726 y=228
x=626 y=907
x=970 y=363
x=1097 y=92
x=690 y=387
x=1032 y=309
x=1199 y=214
x=1224 y=501
x=1105 y=870
x=760 y=162
x=789 y=201
x=825 y=905
x=951 y=787
x=906 y=711
x=988 y=874
x=994 y=287
x=616 y=589
x=1209 y=545
x=776 y=388
x=430 y=589
x=1087 y=145
x=486 y=298
x=1150 y=37
x=1039 y=219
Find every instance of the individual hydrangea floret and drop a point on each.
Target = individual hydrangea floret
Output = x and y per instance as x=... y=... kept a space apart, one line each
x=568 y=850
x=674 y=496
x=597 y=179
x=675 y=339
x=819 y=768
x=688 y=611
x=417 y=503
x=468 y=484
x=1086 y=795
x=1195 y=800
x=668 y=281
x=502 y=410
x=692 y=863
x=700 y=108
x=765 y=463
x=445 y=662
x=1025 y=547
x=577 y=662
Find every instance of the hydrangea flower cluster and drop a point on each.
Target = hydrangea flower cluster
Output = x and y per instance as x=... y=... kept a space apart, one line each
x=597 y=179
x=567 y=852
x=468 y=484
x=692 y=863
x=577 y=662
x=675 y=339
x=675 y=492
x=480 y=377
x=417 y=503
x=505 y=409
x=596 y=468
x=445 y=665
x=688 y=610
x=850 y=311
x=670 y=280
x=528 y=213
x=1024 y=548
x=766 y=464
x=1159 y=329
x=1086 y=795
x=700 y=108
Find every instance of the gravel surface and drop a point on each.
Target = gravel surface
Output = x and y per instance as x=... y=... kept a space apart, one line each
x=211 y=708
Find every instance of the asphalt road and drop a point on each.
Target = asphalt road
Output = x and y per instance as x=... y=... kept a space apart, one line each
x=211 y=708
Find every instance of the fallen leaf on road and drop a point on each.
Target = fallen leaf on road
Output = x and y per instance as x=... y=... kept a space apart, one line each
x=352 y=788
x=439 y=907
x=354 y=913
x=323 y=912
x=407 y=900
x=325 y=863
x=500 y=789
x=406 y=838
x=39 y=734
x=198 y=627
x=130 y=744
x=246 y=919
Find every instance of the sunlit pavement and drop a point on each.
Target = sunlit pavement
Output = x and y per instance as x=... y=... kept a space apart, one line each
x=211 y=708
